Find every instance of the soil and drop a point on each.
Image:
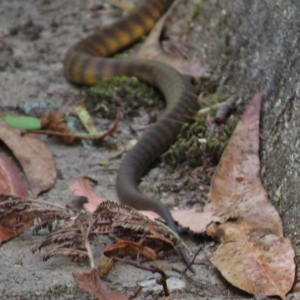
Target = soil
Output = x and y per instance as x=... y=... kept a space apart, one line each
x=34 y=37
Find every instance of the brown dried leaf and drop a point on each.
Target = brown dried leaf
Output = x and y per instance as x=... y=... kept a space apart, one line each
x=73 y=254
x=105 y=264
x=118 y=221
x=119 y=212
x=26 y=209
x=7 y=233
x=253 y=235
x=90 y=283
x=13 y=225
x=151 y=49
x=159 y=239
x=34 y=157
x=128 y=248
x=253 y=258
x=150 y=214
x=57 y=127
x=80 y=187
x=237 y=177
x=18 y=214
x=124 y=218
x=194 y=220
x=56 y=123
x=10 y=180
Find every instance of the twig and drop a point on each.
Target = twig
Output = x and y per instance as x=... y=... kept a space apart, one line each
x=162 y=281
x=226 y=108
x=135 y=293
x=88 y=245
x=207 y=109
x=192 y=261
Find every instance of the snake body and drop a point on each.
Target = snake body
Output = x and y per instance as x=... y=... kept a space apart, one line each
x=85 y=64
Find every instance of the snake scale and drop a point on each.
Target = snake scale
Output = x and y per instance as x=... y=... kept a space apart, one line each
x=86 y=63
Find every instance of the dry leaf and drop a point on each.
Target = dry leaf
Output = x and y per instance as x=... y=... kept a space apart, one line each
x=56 y=126
x=253 y=258
x=116 y=220
x=254 y=255
x=194 y=220
x=237 y=177
x=151 y=49
x=6 y=233
x=34 y=157
x=90 y=283
x=56 y=123
x=10 y=180
x=105 y=264
x=18 y=214
x=11 y=184
x=150 y=214
x=80 y=187
x=128 y=248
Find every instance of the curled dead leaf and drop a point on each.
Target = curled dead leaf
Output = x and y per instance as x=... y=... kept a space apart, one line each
x=151 y=49
x=254 y=255
x=81 y=187
x=10 y=180
x=34 y=156
x=253 y=258
x=58 y=128
x=91 y=284
x=128 y=248
x=105 y=264
x=193 y=219
x=18 y=214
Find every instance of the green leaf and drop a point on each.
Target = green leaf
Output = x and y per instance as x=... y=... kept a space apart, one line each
x=23 y=122
x=104 y=163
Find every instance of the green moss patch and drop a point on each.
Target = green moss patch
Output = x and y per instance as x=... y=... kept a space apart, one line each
x=197 y=141
x=202 y=139
x=126 y=93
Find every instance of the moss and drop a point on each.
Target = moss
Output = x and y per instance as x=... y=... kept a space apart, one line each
x=197 y=141
x=208 y=85
x=126 y=93
x=215 y=99
x=194 y=13
x=217 y=141
x=195 y=10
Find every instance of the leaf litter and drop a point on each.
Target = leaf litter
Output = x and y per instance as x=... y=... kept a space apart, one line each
x=54 y=125
x=34 y=156
x=253 y=255
x=72 y=232
x=80 y=187
x=151 y=49
x=11 y=183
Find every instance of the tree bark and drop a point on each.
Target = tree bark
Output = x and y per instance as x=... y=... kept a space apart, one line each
x=254 y=45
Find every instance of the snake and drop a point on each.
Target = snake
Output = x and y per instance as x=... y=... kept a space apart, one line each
x=89 y=61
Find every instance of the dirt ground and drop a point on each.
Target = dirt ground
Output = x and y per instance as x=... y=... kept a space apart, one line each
x=34 y=37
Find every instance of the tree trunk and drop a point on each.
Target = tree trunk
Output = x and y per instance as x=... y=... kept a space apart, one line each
x=254 y=45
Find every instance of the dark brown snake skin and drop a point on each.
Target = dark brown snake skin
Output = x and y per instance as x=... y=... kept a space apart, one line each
x=83 y=65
